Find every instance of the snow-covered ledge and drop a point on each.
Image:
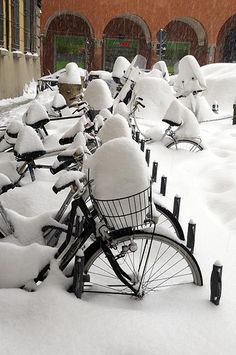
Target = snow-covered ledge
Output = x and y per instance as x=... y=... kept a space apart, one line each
x=28 y=55
x=17 y=54
x=3 y=51
x=35 y=56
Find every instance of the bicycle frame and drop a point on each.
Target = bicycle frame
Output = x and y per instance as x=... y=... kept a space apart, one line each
x=85 y=227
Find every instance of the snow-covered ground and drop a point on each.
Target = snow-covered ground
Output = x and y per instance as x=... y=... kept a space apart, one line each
x=179 y=321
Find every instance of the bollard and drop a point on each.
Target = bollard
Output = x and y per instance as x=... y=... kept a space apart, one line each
x=216 y=283
x=78 y=274
x=163 y=185
x=191 y=235
x=147 y=156
x=176 y=206
x=215 y=107
x=154 y=171
x=234 y=113
x=137 y=136
x=142 y=145
x=133 y=131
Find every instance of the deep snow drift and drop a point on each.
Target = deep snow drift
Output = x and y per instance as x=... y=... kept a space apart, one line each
x=175 y=321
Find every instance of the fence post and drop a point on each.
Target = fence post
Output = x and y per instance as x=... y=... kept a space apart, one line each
x=137 y=136
x=142 y=145
x=176 y=206
x=78 y=274
x=216 y=282
x=191 y=235
x=147 y=156
x=234 y=113
x=163 y=185
x=154 y=171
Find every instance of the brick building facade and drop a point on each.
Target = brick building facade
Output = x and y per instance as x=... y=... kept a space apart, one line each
x=93 y=33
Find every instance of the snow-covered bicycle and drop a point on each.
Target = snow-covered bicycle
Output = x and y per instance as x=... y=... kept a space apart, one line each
x=169 y=138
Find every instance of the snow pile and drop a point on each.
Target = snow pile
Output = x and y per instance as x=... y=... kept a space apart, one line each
x=9 y=168
x=114 y=127
x=177 y=112
x=21 y=264
x=121 y=64
x=221 y=85
x=36 y=112
x=154 y=73
x=161 y=65
x=12 y=132
x=72 y=75
x=4 y=181
x=105 y=113
x=58 y=101
x=118 y=169
x=190 y=77
x=27 y=142
x=122 y=109
x=71 y=132
x=98 y=95
x=68 y=178
x=157 y=96
x=27 y=230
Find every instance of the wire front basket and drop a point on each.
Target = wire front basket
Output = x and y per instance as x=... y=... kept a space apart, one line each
x=131 y=211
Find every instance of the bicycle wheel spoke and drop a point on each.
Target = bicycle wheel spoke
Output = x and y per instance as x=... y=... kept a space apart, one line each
x=167 y=279
x=169 y=268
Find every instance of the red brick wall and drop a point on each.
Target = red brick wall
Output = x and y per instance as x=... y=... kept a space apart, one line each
x=156 y=14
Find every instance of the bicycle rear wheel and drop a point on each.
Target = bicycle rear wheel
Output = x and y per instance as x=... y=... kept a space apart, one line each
x=167 y=220
x=185 y=144
x=158 y=262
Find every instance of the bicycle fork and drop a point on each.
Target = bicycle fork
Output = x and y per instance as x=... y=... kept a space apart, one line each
x=120 y=273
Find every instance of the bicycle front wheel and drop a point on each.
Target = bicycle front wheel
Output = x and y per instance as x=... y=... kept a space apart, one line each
x=185 y=144
x=152 y=261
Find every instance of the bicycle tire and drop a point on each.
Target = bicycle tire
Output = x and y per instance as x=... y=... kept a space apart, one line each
x=185 y=144
x=176 y=265
x=167 y=220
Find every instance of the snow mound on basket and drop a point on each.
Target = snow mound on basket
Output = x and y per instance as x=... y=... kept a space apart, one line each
x=119 y=169
x=98 y=95
x=114 y=127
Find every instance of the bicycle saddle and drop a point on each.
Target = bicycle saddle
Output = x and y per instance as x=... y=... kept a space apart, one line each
x=59 y=108
x=29 y=156
x=39 y=124
x=70 y=178
x=172 y=123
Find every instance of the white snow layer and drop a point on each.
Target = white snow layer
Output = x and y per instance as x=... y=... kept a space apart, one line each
x=114 y=127
x=98 y=95
x=72 y=75
x=21 y=264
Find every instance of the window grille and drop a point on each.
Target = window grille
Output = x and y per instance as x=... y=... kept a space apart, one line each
x=15 y=30
x=1 y=24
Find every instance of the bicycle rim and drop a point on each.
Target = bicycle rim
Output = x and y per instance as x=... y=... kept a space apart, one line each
x=185 y=144
x=158 y=263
